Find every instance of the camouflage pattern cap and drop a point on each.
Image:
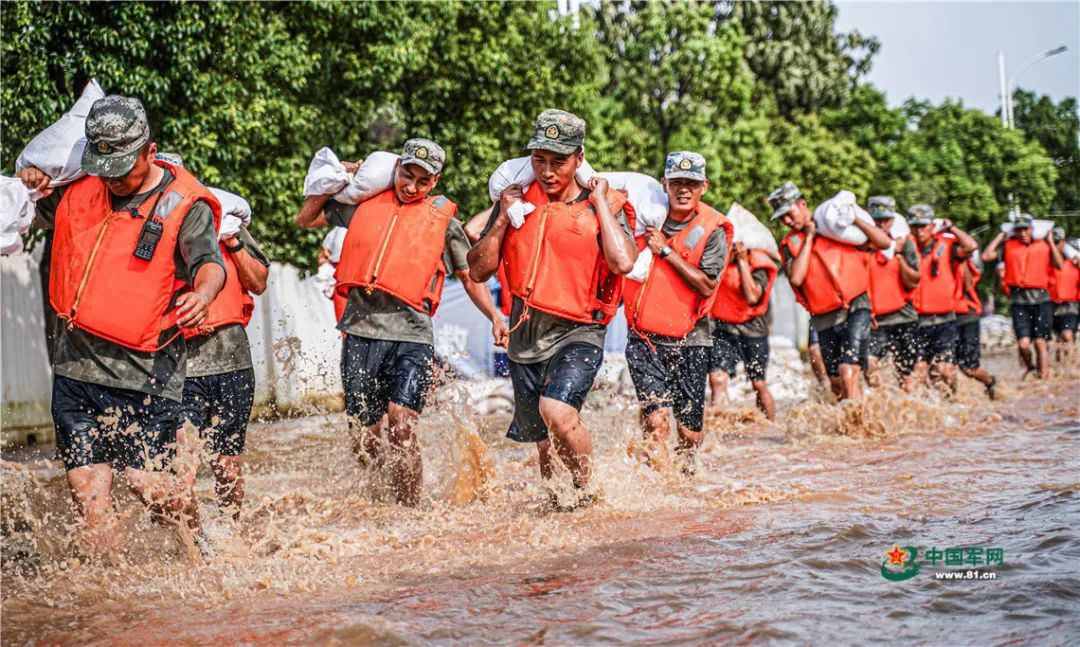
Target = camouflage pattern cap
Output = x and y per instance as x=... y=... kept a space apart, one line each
x=558 y=131
x=882 y=207
x=172 y=158
x=782 y=199
x=424 y=153
x=685 y=164
x=116 y=129
x=920 y=214
x=1059 y=233
x=1023 y=221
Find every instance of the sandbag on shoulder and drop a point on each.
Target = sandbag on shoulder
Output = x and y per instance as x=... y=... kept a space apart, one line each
x=57 y=150
x=519 y=171
x=750 y=231
x=899 y=228
x=644 y=194
x=1039 y=228
x=235 y=212
x=16 y=213
x=375 y=175
x=326 y=175
x=836 y=216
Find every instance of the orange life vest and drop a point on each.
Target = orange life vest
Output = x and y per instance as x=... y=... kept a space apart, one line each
x=968 y=301
x=1065 y=286
x=664 y=304
x=397 y=248
x=1027 y=266
x=98 y=284
x=730 y=305
x=837 y=273
x=233 y=304
x=554 y=262
x=936 y=292
x=887 y=291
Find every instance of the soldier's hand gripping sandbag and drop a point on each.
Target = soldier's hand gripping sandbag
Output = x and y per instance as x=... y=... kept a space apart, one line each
x=519 y=171
x=835 y=219
x=57 y=150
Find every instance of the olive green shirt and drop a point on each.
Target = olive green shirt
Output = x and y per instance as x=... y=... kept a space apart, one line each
x=759 y=325
x=832 y=318
x=226 y=349
x=542 y=335
x=1067 y=308
x=907 y=314
x=713 y=259
x=378 y=315
x=82 y=356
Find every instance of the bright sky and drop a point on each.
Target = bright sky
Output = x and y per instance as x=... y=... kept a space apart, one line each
x=934 y=50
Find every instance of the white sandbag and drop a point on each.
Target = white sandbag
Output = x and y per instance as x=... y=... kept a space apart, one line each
x=640 y=271
x=57 y=150
x=333 y=242
x=16 y=213
x=326 y=175
x=836 y=216
x=1072 y=250
x=230 y=226
x=1039 y=228
x=325 y=280
x=233 y=205
x=519 y=171
x=750 y=231
x=375 y=175
x=899 y=228
x=644 y=194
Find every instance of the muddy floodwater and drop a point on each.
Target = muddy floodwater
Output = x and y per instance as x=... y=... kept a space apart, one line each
x=780 y=536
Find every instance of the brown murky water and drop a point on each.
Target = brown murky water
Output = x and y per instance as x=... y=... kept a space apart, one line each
x=779 y=537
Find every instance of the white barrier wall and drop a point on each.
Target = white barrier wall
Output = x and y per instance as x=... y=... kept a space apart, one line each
x=294 y=346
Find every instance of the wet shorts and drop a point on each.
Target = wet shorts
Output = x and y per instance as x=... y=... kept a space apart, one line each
x=846 y=343
x=968 y=346
x=219 y=407
x=1032 y=321
x=812 y=337
x=937 y=343
x=672 y=377
x=375 y=372
x=900 y=341
x=729 y=349
x=1065 y=322
x=567 y=377
x=101 y=424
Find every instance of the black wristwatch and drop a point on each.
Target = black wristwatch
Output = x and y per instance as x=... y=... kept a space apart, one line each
x=239 y=246
x=666 y=251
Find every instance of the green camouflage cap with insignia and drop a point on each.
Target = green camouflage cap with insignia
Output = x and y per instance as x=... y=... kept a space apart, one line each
x=1059 y=233
x=882 y=207
x=782 y=199
x=685 y=164
x=920 y=214
x=116 y=129
x=424 y=153
x=558 y=131
x=1023 y=221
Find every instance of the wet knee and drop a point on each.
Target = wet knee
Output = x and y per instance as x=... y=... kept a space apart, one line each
x=560 y=418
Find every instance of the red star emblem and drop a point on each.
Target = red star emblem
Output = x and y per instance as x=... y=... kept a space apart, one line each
x=896 y=556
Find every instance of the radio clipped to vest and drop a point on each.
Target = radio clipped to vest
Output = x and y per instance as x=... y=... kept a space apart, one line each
x=151 y=231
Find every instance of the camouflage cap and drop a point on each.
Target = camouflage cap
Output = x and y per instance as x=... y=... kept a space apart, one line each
x=882 y=207
x=116 y=129
x=559 y=131
x=424 y=153
x=1059 y=233
x=172 y=158
x=1023 y=221
x=920 y=214
x=685 y=164
x=782 y=199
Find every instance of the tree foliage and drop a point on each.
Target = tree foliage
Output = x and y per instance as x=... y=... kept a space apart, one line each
x=765 y=91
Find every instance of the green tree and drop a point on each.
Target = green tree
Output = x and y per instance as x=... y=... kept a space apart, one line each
x=1057 y=128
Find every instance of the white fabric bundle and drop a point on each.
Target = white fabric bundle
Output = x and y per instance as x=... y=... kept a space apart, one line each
x=235 y=212
x=325 y=280
x=16 y=213
x=519 y=171
x=899 y=228
x=1039 y=228
x=1072 y=249
x=326 y=174
x=57 y=150
x=333 y=242
x=836 y=216
x=644 y=194
x=750 y=231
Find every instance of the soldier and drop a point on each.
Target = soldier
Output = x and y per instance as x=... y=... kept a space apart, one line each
x=134 y=260
x=1065 y=294
x=399 y=247
x=667 y=350
x=564 y=268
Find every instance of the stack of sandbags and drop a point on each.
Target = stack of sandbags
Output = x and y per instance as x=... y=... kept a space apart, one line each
x=328 y=176
x=835 y=219
x=16 y=213
x=750 y=231
x=57 y=150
